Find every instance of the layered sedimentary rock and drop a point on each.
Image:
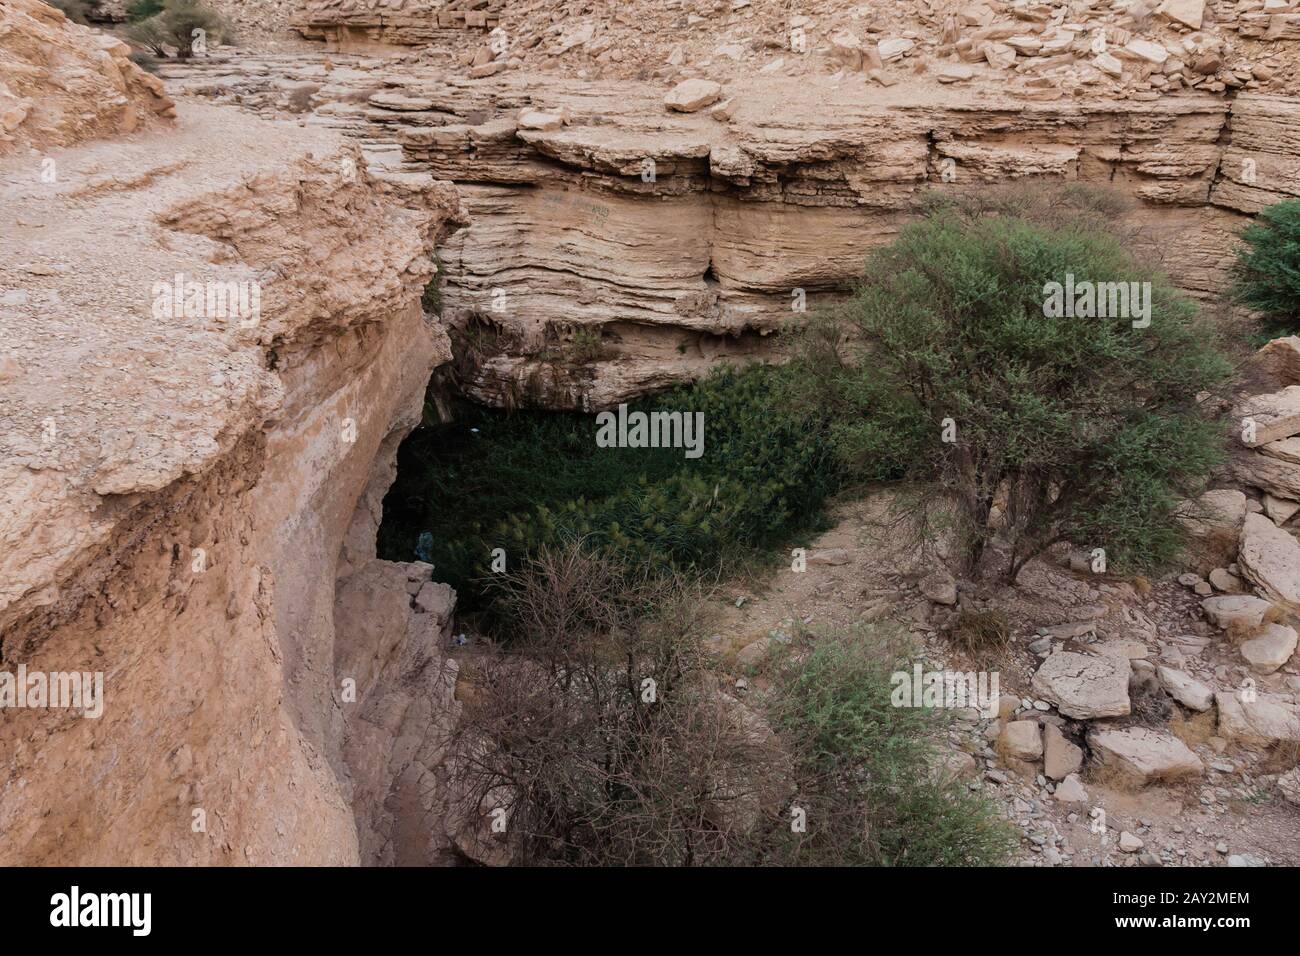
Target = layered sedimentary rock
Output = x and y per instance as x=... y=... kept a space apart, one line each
x=186 y=494
x=354 y=25
x=618 y=246
x=676 y=241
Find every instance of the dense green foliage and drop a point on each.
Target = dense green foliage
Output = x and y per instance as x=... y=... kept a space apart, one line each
x=1267 y=270
x=138 y=10
x=517 y=481
x=866 y=772
x=1084 y=429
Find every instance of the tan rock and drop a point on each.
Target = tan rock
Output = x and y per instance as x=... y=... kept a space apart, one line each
x=1281 y=357
x=536 y=119
x=1108 y=64
x=1275 y=415
x=691 y=95
x=1225 y=581
x=1146 y=50
x=1070 y=790
x=1061 y=757
x=1021 y=740
x=1236 y=610
x=1288 y=450
x=1190 y=13
x=1269 y=557
x=1143 y=755
x=892 y=48
x=61 y=83
x=954 y=73
x=1280 y=510
x=1213 y=512
x=1185 y=689
x=1257 y=719
x=1084 y=687
x=1271 y=649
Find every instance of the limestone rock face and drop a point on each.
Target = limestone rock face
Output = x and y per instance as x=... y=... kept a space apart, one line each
x=61 y=82
x=1084 y=687
x=351 y=26
x=631 y=247
x=736 y=224
x=1270 y=558
x=184 y=492
x=1144 y=755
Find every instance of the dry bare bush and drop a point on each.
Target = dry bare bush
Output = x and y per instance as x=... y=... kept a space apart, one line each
x=1194 y=730
x=983 y=636
x=597 y=735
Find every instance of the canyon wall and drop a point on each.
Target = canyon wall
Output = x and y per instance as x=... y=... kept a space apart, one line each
x=188 y=499
x=676 y=241
x=617 y=246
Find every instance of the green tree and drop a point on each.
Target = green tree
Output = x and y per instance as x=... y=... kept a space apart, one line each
x=1267 y=269
x=1033 y=423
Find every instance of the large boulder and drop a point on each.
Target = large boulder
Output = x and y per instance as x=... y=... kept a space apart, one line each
x=691 y=95
x=1270 y=649
x=1084 y=687
x=1270 y=558
x=1185 y=689
x=1021 y=740
x=1143 y=755
x=1260 y=720
x=1236 y=610
x=1060 y=757
x=1281 y=358
x=1275 y=415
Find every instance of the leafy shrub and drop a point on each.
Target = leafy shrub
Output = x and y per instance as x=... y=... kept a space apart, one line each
x=1066 y=428
x=1267 y=269
x=431 y=297
x=865 y=771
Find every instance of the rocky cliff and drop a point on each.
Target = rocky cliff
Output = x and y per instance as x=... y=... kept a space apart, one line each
x=61 y=83
x=618 y=245
x=190 y=496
